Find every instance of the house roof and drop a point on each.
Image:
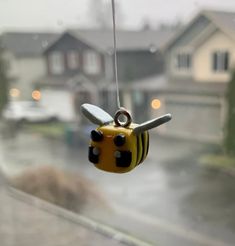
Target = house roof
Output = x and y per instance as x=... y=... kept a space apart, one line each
x=34 y=43
x=193 y=87
x=126 y=40
x=72 y=82
x=151 y=83
x=223 y=20
x=27 y=43
x=162 y=84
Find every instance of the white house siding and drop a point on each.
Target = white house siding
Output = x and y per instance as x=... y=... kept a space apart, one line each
x=202 y=58
x=25 y=71
x=59 y=102
x=194 y=117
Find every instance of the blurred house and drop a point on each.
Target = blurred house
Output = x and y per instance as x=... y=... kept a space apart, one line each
x=23 y=53
x=80 y=66
x=199 y=60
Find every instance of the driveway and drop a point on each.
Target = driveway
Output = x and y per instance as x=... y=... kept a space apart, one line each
x=169 y=200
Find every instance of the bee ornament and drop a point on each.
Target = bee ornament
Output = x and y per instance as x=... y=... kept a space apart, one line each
x=118 y=146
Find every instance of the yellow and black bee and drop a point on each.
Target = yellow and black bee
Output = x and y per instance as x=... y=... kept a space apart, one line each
x=118 y=146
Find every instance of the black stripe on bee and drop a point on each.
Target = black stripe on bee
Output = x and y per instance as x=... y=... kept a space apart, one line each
x=143 y=147
x=143 y=140
x=147 y=144
x=138 y=149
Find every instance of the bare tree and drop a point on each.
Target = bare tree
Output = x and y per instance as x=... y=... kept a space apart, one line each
x=176 y=25
x=100 y=12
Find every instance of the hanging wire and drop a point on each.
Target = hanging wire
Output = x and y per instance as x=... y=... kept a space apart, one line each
x=115 y=53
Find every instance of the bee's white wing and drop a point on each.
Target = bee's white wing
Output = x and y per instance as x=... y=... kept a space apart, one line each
x=96 y=115
x=152 y=123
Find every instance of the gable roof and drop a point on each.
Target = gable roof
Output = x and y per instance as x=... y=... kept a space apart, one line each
x=223 y=20
x=102 y=39
x=27 y=43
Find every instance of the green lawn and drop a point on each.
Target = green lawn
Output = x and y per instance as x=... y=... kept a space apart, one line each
x=218 y=160
x=53 y=130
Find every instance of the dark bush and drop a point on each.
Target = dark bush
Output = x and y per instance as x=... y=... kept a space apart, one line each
x=69 y=190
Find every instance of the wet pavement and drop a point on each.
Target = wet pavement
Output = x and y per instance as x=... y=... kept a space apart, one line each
x=169 y=200
x=27 y=221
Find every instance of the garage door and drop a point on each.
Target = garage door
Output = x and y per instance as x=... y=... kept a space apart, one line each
x=59 y=102
x=195 y=119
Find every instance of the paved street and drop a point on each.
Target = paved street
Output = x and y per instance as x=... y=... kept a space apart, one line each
x=169 y=200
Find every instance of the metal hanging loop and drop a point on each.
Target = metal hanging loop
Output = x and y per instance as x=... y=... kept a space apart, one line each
x=120 y=112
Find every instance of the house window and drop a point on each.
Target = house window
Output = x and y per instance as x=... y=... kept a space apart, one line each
x=56 y=62
x=92 y=64
x=72 y=59
x=183 y=61
x=220 y=61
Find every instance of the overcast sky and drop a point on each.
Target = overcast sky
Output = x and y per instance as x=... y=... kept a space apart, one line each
x=51 y=14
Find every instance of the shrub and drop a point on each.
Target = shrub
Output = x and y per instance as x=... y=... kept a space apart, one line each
x=218 y=160
x=229 y=141
x=69 y=190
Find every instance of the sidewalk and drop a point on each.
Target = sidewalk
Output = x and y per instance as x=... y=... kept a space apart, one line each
x=27 y=221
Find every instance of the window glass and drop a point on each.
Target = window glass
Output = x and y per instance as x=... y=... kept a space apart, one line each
x=172 y=58
x=91 y=62
x=56 y=62
x=220 y=61
x=72 y=59
x=183 y=61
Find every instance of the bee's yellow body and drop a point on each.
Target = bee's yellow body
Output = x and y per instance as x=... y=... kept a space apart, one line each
x=135 y=146
x=118 y=146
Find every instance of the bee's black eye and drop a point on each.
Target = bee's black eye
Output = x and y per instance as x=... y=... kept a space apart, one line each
x=123 y=158
x=119 y=140
x=96 y=136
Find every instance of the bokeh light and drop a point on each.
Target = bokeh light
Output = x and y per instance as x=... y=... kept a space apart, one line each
x=36 y=95
x=156 y=103
x=14 y=92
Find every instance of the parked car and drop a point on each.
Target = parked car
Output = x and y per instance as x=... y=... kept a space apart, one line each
x=27 y=111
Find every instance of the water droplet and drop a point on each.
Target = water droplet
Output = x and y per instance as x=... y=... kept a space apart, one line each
x=35 y=36
x=44 y=43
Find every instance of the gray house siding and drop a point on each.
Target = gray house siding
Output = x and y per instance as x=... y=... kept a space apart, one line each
x=139 y=64
x=67 y=43
x=133 y=64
